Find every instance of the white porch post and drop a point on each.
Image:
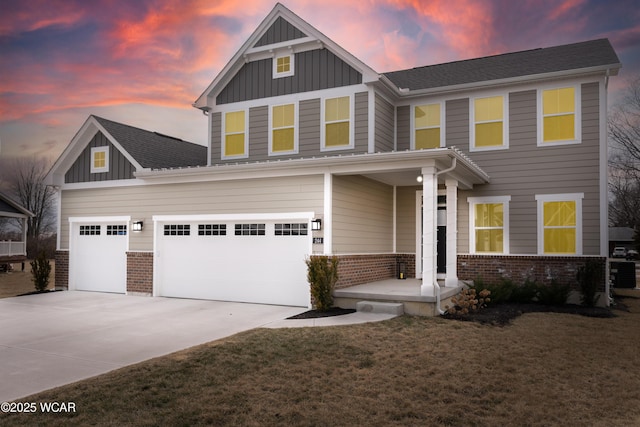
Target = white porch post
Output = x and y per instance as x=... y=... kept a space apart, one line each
x=451 y=279
x=429 y=227
x=25 y=224
x=328 y=210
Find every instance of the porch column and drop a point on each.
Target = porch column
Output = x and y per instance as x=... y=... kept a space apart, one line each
x=451 y=279
x=429 y=227
x=328 y=218
x=25 y=224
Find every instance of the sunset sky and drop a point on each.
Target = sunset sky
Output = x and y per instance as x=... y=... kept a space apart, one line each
x=144 y=62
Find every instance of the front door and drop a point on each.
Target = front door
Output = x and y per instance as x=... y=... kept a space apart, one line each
x=441 y=245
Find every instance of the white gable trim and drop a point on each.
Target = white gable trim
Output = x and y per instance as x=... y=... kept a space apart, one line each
x=207 y=99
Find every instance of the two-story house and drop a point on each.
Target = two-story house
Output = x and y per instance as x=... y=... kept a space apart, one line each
x=491 y=167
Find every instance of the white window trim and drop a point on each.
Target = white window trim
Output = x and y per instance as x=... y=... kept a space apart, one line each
x=223 y=140
x=568 y=197
x=295 y=131
x=473 y=201
x=323 y=123
x=412 y=124
x=104 y=150
x=505 y=122
x=577 y=115
x=291 y=71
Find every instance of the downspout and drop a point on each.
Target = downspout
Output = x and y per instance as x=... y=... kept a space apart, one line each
x=436 y=286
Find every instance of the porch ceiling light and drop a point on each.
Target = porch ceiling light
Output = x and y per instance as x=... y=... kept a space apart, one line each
x=419 y=178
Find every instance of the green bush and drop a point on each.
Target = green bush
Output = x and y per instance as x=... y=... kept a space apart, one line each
x=526 y=293
x=322 y=274
x=553 y=294
x=40 y=270
x=500 y=293
x=588 y=276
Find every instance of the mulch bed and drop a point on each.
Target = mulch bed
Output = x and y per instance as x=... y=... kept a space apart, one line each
x=314 y=314
x=503 y=314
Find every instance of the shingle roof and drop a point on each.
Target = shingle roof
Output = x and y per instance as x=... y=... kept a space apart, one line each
x=621 y=234
x=10 y=206
x=575 y=56
x=154 y=150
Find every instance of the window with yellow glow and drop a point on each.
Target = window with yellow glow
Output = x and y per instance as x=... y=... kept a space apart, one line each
x=559 y=223
x=283 y=64
x=488 y=119
x=283 y=128
x=426 y=121
x=337 y=121
x=558 y=115
x=99 y=159
x=489 y=227
x=234 y=134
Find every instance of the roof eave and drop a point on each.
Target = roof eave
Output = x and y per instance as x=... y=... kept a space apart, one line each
x=612 y=69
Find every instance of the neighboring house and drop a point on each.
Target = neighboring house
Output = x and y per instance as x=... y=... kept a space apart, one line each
x=491 y=167
x=620 y=237
x=14 y=251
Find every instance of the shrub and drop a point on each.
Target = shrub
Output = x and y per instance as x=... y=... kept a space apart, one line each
x=588 y=277
x=526 y=293
x=553 y=294
x=500 y=293
x=322 y=274
x=40 y=270
x=467 y=301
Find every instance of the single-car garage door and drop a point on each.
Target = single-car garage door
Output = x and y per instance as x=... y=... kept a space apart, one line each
x=98 y=254
x=254 y=258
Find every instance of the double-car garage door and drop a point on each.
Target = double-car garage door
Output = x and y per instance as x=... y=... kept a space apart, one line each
x=249 y=259
x=245 y=258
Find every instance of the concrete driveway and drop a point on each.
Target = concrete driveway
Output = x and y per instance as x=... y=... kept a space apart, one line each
x=49 y=340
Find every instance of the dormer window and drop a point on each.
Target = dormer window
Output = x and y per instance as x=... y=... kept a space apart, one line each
x=99 y=159
x=283 y=66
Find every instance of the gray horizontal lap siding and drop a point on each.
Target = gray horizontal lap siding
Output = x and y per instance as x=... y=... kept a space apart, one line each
x=384 y=125
x=314 y=70
x=525 y=170
x=119 y=166
x=309 y=130
x=403 y=132
x=280 y=31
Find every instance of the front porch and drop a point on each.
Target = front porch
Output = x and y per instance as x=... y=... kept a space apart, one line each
x=406 y=292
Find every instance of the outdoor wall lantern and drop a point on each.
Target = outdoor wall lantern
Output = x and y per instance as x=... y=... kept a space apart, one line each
x=316 y=224
x=137 y=225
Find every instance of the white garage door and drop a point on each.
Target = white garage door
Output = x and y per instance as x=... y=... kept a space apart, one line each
x=98 y=258
x=257 y=260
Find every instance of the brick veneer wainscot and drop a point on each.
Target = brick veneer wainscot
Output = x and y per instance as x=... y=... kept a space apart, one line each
x=358 y=269
x=61 y=278
x=542 y=269
x=140 y=272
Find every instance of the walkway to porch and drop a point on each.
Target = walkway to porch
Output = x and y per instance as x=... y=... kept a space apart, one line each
x=406 y=292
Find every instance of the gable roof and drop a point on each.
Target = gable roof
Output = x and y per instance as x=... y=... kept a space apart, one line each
x=621 y=234
x=10 y=208
x=591 y=55
x=301 y=36
x=153 y=150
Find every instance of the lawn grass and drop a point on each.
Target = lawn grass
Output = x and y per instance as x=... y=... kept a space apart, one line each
x=18 y=282
x=543 y=369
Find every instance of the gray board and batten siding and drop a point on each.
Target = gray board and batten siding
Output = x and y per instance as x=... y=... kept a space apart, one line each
x=119 y=166
x=313 y=70
x=280 y=31
x=309 y=143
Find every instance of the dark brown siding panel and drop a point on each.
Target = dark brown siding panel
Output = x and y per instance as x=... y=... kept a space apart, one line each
x=384 y=125
x=361 y=129
x=403 y=131
x=119 y=166
x=280 y=31
x=314 y=70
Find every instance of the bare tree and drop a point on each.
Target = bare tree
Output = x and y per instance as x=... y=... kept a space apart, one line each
x=26 y=179
x=624 y=162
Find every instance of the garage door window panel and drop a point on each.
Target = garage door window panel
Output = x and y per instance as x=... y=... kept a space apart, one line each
x=291 y=229
x=212 y=230
x=177 y=230
x=250 y=229
x=89 y=230
x=116 y=230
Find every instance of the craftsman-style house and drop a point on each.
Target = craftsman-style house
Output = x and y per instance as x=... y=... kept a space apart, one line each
x=490 y=167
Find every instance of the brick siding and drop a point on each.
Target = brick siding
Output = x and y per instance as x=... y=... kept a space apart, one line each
x=140 y=272
x=358 y=269
x=542 y=269
x=61 y=278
